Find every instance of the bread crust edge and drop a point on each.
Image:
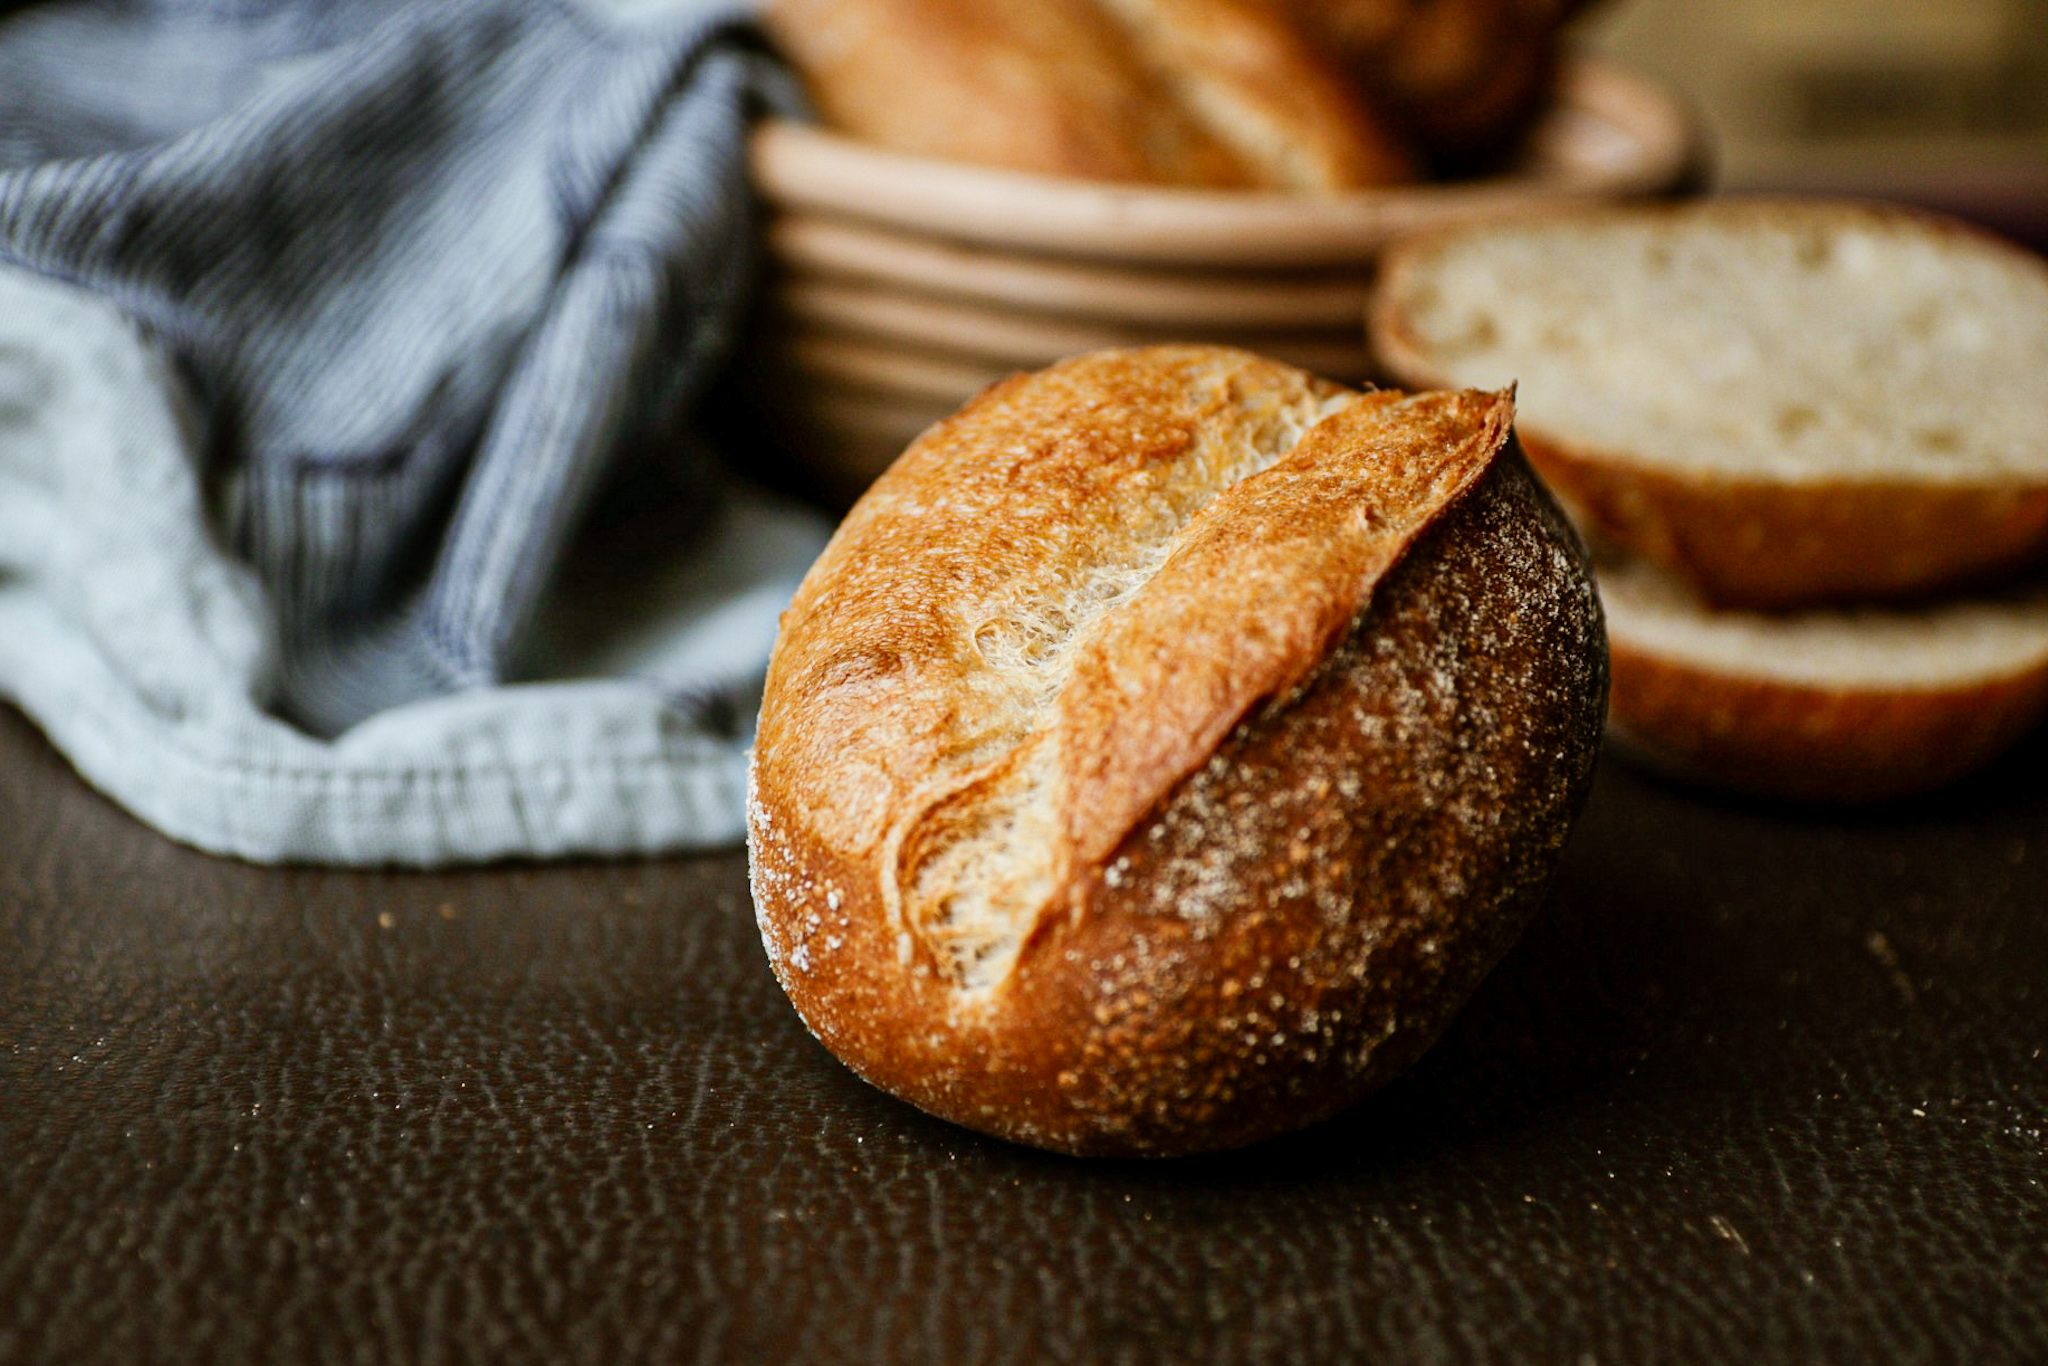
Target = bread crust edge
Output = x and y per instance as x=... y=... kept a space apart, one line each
x=1810 y=743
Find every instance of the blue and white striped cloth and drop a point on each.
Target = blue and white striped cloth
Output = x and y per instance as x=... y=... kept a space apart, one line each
x=324 y=327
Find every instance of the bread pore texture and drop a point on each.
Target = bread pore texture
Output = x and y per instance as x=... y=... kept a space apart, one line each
x=1787 y=402
x=1167 y=744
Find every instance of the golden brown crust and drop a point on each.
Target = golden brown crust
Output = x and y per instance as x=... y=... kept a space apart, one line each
x=1051 y=86
x=1280 y=895
x=1061 y=469
x=1771 y=738
x=1192 y=92
x=1261 y=587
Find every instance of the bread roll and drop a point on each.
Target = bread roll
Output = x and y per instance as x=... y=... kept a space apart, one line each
x=1167 y=744
x=1788 y=403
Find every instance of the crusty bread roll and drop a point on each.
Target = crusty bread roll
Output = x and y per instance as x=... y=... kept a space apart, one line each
x=1167 y=744
x=1848 y=705
x=1786 y=402
x=1216 y=93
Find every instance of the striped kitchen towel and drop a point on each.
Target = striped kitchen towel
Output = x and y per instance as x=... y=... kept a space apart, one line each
x=342 y=512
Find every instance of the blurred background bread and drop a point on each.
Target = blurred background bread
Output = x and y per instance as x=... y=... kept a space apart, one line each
x=1311 y=97
x=1052 y=86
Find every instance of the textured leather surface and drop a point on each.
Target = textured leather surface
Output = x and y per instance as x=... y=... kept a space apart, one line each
x=1761 y=1084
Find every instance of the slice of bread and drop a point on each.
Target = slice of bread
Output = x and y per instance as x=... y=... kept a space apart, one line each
x=1847 y=705
x=1787 y=402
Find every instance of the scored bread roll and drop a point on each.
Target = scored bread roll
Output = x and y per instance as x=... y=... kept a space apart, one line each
x=1850 y=705
x=1786 y=402
x=1167 y=744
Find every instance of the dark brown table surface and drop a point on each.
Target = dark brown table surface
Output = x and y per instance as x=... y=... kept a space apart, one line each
x=1760 y=1085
